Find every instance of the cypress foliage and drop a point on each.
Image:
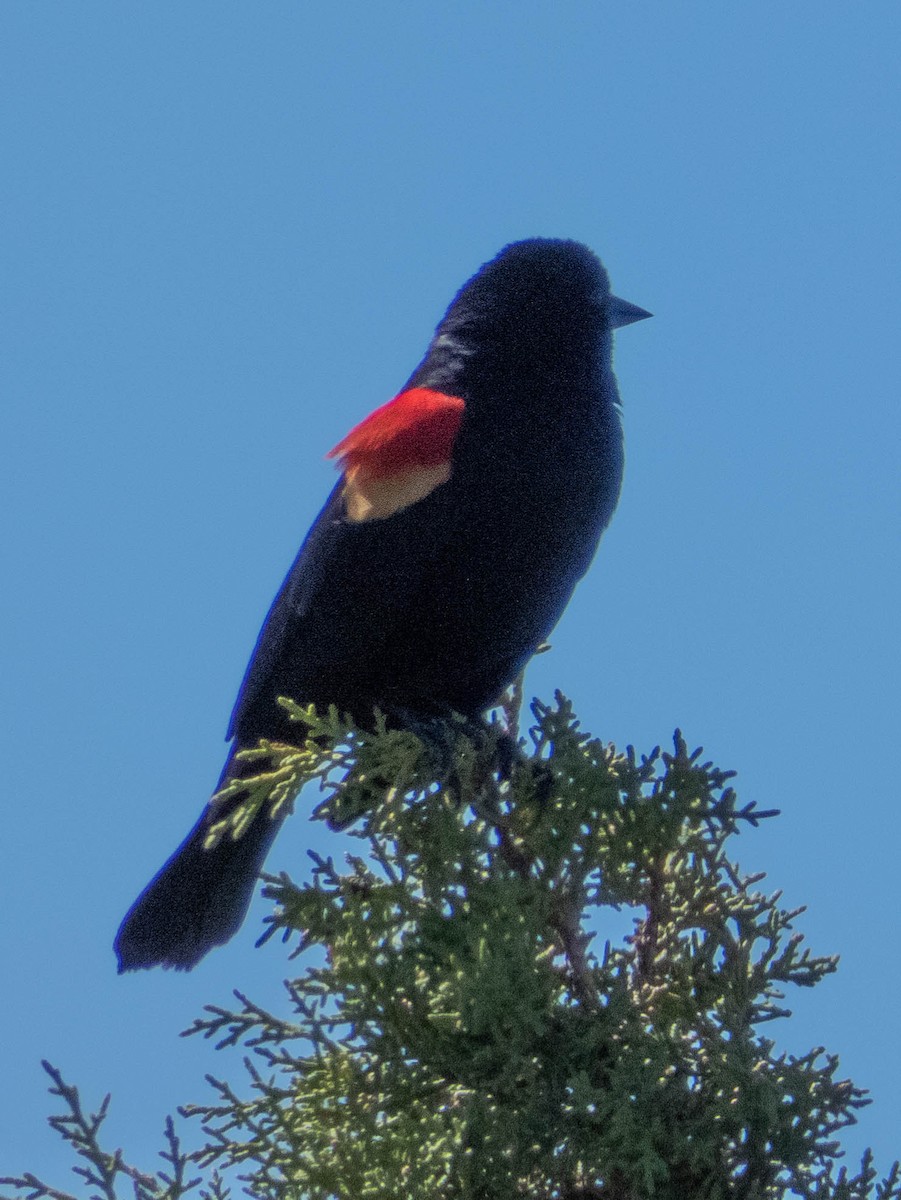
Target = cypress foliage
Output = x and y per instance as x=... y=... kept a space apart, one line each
x=461 y=1029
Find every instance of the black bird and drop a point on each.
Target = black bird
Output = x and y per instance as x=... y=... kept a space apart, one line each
x=467 y=510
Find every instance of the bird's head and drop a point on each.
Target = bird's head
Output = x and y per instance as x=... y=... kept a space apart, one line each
x=540 y=304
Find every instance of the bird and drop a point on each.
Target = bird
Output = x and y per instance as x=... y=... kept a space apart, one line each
x=466 y=510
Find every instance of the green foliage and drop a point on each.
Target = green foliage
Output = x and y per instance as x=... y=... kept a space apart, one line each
x=458 y=1032
x=105 y=1171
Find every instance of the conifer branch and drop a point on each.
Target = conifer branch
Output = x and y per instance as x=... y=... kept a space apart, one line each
x=453 y=1030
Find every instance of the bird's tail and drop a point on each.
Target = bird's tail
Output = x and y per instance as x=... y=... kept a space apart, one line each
x=199 y=899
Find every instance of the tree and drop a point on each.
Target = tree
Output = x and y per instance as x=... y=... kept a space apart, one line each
x=459 y=1031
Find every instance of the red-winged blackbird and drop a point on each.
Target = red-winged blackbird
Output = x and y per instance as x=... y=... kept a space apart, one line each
x=467 y=510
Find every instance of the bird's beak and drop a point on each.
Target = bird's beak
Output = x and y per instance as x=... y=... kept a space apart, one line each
x=621 y=312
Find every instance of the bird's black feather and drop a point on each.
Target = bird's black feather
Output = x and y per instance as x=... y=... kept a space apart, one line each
x=439 y=606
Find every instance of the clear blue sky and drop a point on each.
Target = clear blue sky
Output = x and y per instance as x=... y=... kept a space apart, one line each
x=228 y=230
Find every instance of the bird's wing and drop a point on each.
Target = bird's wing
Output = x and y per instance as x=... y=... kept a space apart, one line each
x=291 y=604
x=354 y=577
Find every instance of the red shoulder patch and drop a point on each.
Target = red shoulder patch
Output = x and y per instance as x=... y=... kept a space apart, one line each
x=416 y=429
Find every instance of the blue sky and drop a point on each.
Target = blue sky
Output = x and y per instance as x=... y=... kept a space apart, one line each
x=228 y=232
